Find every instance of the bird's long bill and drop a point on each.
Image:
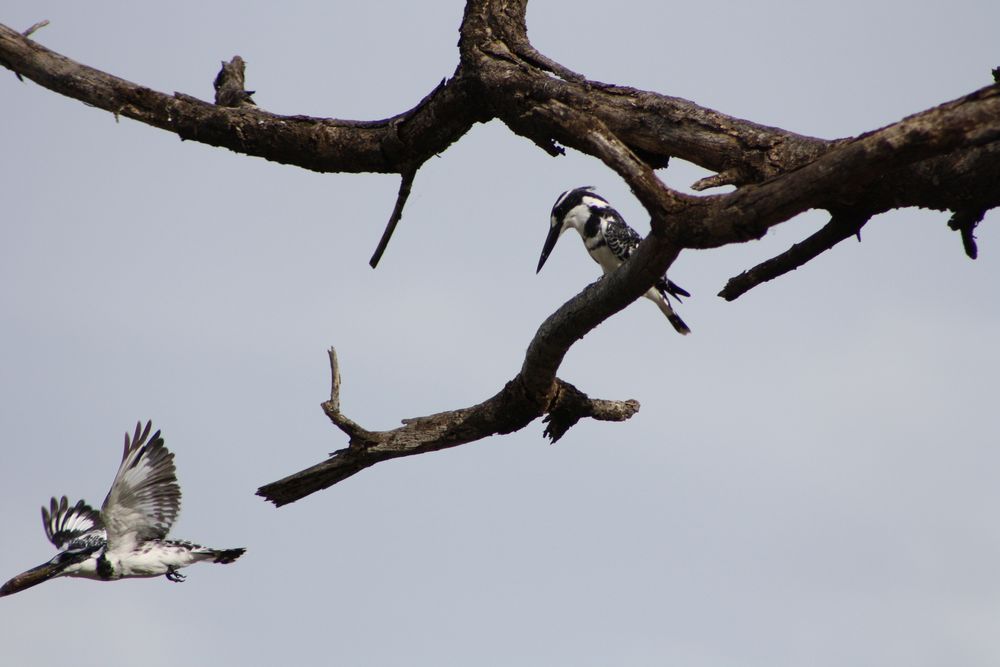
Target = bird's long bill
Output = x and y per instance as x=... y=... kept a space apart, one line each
x=32 y=577
x=550 y=243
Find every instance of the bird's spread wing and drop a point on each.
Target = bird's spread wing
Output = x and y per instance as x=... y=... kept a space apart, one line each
x=145 y=498
x=65 y=524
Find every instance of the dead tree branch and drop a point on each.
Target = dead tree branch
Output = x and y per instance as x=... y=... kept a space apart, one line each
x=946 y=158
x=405 y=185
x=318 y=144
x=841 y=226
x=509 y=410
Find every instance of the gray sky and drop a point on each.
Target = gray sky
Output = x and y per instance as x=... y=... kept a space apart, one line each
x=811 y=479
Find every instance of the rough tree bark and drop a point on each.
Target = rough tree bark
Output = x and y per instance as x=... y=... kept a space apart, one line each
x=946 y=158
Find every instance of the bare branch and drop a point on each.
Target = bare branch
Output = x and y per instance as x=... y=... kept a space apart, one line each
x=397 y=213
x=535 y=390
x=318 y=144
x=842 y=225
x=509 y=410
x=850 y=170
x=37 y=26
x=356 y=433
x=570 y=405
x=493 y=80
x=947 y=158
x=727 y=177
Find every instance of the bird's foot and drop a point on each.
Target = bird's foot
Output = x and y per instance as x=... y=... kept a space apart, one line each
x=175 y=576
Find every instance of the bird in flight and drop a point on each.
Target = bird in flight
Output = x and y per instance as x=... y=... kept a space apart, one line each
x=609 y=240
x=127 y=538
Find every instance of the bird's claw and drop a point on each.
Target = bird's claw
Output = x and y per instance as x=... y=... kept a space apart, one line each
x=175 y=576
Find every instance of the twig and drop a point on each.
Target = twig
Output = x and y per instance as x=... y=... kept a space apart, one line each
x=509 y=410
x=405 y=185
x=28 y=33
x=841 y=226
x=524 y=49
x=727 y=177
x=38 y=26
x=359 y=436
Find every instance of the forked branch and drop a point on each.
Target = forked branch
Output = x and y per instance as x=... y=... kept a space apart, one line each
x=509 y=410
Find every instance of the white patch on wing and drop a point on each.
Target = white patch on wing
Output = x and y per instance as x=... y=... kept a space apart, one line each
x=144 y=499
x=64 y=523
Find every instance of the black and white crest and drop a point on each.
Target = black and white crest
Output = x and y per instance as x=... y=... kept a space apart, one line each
x=570 y=199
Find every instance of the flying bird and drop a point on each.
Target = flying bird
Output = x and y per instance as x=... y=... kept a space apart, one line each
x=127 y=538
x=609 y=240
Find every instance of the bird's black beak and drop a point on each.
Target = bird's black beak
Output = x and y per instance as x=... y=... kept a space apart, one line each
x=550 y=243
x=32 y=577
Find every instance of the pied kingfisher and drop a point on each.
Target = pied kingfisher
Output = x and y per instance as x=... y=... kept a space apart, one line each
x=609 y=240
x=127 y=537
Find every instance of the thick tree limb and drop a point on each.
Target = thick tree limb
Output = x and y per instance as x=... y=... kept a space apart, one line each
x=946 y=158
x=851 y=169
x=318 y=144
x=492 y=80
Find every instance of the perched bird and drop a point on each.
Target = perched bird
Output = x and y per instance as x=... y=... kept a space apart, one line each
x=609 y=240
x=127 y=537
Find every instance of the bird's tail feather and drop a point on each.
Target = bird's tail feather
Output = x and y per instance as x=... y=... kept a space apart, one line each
x=675 y=319
x=227 y=555
x=673 y=289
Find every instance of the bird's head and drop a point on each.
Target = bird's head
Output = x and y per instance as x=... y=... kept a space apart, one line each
x=572 y=209
x=59 y=565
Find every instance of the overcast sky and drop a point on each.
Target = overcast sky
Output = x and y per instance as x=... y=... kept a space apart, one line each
x=812 y=479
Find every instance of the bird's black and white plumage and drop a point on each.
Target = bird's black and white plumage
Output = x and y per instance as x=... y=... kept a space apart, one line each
x=609 y=240
x=127 y=538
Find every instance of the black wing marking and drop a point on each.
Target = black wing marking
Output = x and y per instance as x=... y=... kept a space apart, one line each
x=64 y=524
x=622 y=240
x=667 y=286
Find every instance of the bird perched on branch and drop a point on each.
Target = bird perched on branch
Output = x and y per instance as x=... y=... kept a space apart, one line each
x=609 y=240
x=127 y=538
